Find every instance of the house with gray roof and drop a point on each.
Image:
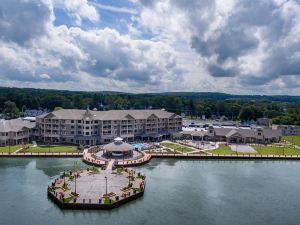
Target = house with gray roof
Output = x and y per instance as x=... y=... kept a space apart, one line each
x=232 y=135
x=287 y=129
x=15 y=131
x=242 y=135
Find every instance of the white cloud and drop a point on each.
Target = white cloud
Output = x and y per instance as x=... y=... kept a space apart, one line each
x=246 y=43
x=45 y=76
x=170 y=45
x=79 y=9
x=114 y=8
x=95 y=57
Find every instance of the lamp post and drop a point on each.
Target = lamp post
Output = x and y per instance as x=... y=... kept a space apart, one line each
x=293 y=142
x=75 y=163
x=106 y=185
x=129 y=178
x=75 y=182
x=8 y=146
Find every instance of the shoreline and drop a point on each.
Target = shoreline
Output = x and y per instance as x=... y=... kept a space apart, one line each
x=159 y=155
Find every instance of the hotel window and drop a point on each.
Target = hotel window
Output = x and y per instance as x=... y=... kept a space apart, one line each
x=72 y=127
x=87 y=133
x=78 y=121
x=87 y=122
x=72 y=121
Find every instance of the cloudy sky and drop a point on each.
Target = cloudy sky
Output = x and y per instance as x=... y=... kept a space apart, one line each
x=233 y=46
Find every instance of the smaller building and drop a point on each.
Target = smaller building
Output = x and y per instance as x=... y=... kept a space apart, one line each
x=15 y=131
x=232 y=135
x=264 y=121
x=244 y=135
x=287 y=129
x=118 y=148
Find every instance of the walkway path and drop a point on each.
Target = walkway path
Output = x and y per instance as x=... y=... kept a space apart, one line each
x=110 y=164
x=18 y=150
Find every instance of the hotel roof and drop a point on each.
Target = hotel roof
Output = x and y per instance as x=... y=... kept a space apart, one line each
x=76 y=114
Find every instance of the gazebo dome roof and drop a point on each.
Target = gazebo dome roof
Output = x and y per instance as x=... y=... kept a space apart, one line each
x=118 y=146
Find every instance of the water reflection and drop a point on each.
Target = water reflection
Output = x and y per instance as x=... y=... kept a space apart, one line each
x=54 y=166
x=14 y=162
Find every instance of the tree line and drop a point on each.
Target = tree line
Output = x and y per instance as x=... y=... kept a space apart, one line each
x=283 y=110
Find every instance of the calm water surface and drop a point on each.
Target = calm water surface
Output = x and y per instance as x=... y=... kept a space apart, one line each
x=177 y=192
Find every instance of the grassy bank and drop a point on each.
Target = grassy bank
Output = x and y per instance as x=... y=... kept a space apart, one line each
x=273 y=150
x=12 y=148
x=292 y=139
x=54 y=148
x=222 y=150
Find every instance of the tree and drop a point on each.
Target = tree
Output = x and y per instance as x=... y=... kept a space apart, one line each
x=78 y=101
x=11 y=111
x=247 y=113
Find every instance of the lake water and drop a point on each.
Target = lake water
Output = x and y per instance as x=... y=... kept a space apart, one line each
x=177 y=192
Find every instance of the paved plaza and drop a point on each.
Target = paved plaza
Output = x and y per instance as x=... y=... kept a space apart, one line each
x=242 y=148
x=204 y=145
x=91 y=185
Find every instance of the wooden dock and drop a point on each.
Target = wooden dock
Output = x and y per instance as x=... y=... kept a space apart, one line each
x=219 y=156
x=46 y=154
x=147 y=157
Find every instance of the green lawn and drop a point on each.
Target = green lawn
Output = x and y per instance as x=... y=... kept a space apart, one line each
x=271 y=150
x=261 y=150
x=176 y=147
x=292 y=139
x=13 y=148
x=55 y=148
x=222 y=150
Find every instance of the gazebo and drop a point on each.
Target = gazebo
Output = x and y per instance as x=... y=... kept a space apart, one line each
x=118 y=148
